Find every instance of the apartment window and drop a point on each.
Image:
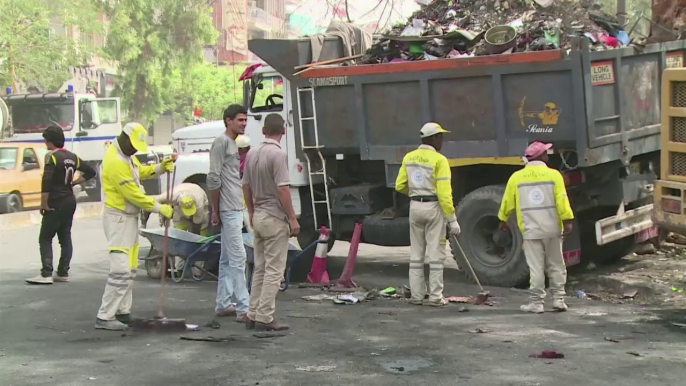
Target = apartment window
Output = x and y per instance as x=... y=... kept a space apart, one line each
x=86 y=39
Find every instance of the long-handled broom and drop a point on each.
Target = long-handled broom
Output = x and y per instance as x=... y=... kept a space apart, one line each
x=160 y=322
x=483 y=295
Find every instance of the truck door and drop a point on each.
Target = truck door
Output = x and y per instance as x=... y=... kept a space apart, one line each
x=270 y=93
x=99 y=124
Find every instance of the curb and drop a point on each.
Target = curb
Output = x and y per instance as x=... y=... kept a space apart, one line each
x=29 y=218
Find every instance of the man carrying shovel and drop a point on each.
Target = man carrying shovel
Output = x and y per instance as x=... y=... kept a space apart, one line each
x=537 y=194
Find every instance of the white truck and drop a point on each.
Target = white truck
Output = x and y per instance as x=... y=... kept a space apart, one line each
x=89 y=123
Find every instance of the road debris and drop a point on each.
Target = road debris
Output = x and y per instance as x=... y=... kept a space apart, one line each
x=480 y=330
x=212 y=339
x=630 y=294
x=316 y=369
x=318 y=298
x=548 y=354
x=263 y=335
x=399 y=368
x=213 y=324
x=389 y=313
x=611 y=340
x=463 y=309
x=460 y=299
x=346 y=299
x=634 y=353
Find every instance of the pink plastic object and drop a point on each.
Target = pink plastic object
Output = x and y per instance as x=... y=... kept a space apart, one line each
x=346 y=279
x=318 y=272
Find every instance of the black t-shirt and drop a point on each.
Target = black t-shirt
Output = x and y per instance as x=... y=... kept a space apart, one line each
x=58 y=176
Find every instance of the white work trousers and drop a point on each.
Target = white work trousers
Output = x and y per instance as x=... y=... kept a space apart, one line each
x=544 y=257
x=121 y=232
x=427 y=245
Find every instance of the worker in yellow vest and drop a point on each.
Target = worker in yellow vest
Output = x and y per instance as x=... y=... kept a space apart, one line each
x=425 y=177
x=121 y=175
x=538 y=196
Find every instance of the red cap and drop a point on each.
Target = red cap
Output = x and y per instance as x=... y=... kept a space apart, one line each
x=536 y=149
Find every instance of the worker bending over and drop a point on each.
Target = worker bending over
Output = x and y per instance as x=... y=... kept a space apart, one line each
x=121 y=175
x=425 y=177
x=191 y=208
x=537 y=194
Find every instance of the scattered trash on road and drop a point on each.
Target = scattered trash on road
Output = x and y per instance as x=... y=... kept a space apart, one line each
x=634 y=353
x=629 y=294
x=211 y=339
x=611 y=340
x=463 y=309
x=581 y=294
x=318 y=298
x=399 y=368
x=346 y=299
x=548 y=354
x=460 y=299
x=389 y=313
x=213 y=324
x=192 y=327
x=316 y=369
x=263 y=335
x=388 y=291
x=480 y=331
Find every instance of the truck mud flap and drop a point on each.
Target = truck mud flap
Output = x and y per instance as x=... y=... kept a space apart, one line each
x=624 y=224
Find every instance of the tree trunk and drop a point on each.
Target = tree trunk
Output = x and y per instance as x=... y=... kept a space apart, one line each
x=670 y=14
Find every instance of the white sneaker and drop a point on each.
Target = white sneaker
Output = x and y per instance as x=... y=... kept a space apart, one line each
x=559 y=305
x=40 y=280
x=435 y=303
x=535 y=308
x=60 y=279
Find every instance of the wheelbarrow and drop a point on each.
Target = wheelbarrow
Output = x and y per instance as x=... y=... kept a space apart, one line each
x=294 y=254
x=188 y=246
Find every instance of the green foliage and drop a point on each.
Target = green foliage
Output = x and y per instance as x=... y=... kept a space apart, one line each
x=205 y=86
x=31 y=51
x=152 y=40
x=634 y=8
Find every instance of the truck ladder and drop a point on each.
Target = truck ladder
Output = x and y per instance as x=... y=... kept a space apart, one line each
x=314 y=148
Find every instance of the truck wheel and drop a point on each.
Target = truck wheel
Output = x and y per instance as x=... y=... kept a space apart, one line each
x=605 y=254
x=497 y=257
x=307 y=236
x=11 y=204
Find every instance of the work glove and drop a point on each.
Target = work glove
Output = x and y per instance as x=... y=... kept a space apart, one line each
x=167 y=165
x=454 y=228
x=167 y=211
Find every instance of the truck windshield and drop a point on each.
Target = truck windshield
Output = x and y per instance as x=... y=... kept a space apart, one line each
x=8 y=158
x=267 y=93
x=36 y=117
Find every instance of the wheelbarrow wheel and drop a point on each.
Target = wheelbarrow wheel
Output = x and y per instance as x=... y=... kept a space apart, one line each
x=153 y=265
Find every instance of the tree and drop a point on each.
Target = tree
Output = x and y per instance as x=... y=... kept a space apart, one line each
x=204 y=86
x=30 y=50
x=150 y=40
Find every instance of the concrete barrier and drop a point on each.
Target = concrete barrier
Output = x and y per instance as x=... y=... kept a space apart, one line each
x=33 y=217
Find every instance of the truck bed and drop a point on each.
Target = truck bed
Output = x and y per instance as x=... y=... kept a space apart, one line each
x=604 y=106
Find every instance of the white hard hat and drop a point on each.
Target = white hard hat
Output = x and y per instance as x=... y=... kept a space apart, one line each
x=430 y=129
x=242 y=141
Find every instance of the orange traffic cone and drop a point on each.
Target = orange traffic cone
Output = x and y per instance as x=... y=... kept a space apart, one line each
x=346 y=279
x=318 y=273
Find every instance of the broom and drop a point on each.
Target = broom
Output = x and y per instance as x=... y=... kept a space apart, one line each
x=160 y=322
x=483 y=295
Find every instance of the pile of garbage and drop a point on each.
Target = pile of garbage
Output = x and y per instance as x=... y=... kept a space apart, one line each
x=466 y=28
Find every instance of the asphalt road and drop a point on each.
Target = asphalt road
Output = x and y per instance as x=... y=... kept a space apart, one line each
x=47 y=335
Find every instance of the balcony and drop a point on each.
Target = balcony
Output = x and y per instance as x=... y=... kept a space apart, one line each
x=260 y=18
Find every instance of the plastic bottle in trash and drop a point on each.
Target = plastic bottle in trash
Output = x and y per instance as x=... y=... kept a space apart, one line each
x=581 y=294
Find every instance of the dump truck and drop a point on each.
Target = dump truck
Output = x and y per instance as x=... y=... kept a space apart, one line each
x=350 y=126
x=670 y=189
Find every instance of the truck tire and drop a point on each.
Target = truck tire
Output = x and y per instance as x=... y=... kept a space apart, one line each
x=389 y=233
x=497 y=257
x=307 y=236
